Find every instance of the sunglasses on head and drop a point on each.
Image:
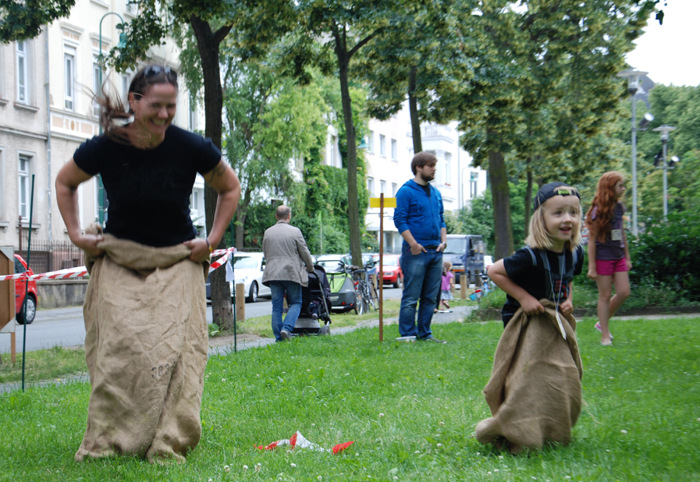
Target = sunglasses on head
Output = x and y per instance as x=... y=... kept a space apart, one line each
x=565 y=191
x=157 y=69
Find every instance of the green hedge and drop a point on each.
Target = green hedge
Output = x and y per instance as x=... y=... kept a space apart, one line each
x=669 y=253
x=665 y=261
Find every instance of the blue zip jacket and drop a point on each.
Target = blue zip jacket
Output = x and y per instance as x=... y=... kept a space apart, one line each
x=420 y=214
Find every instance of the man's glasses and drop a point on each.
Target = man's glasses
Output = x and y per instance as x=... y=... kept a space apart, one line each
x=157 y=69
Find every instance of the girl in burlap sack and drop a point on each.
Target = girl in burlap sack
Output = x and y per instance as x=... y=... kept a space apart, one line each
x=146 y=335
x=535 y=389
x=608 y=252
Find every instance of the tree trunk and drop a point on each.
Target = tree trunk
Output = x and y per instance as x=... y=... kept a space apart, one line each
x=353 y=206
x=240 y=228
x=500 y=193
x=413 y=109
x=528 y=197
x=208 y=45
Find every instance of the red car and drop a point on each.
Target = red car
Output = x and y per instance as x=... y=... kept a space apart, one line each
x=392 y=271
x=21 y=287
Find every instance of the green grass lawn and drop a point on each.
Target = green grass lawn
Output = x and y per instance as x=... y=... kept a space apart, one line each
x=43 y=364
x=410 y=408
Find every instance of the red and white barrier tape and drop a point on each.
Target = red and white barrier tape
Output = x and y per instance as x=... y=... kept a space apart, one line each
x=82 y=270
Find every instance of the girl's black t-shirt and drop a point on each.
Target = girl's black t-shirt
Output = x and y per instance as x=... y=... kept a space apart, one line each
x=149 y=190
x=535 y=279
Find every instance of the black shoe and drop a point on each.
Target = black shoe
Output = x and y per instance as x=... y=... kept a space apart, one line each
x=285 y=335
x=434 y=340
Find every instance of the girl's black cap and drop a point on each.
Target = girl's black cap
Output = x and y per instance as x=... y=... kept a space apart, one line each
x=553 y=189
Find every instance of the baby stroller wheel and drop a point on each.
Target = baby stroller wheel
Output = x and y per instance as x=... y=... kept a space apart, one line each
x=325 y=330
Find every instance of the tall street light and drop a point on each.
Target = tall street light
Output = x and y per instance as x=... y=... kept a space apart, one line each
x=664 y=130
x=633 y=86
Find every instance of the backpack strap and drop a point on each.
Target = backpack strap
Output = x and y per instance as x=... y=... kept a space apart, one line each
x=532 y=254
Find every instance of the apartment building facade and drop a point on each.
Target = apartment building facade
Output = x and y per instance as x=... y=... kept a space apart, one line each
x=47 y=111
x=389 y=154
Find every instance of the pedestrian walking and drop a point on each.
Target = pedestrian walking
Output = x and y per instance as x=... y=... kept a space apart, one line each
x=145 y=314
x=419 y=217
x=286 y=254
x=535 y=389
x=608 y=252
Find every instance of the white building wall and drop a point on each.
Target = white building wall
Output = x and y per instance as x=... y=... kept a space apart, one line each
x=24 y=125
x=393 y=169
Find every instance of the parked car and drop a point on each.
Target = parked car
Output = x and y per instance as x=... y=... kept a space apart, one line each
x=392 y=270
x=332 y=263
x=24 y=314
x=466 y=253
x=488 y=261
x=248 y=269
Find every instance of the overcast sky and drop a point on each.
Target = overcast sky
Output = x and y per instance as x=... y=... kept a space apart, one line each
x=669 y=51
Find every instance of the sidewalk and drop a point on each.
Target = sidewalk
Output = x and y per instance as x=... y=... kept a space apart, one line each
x=459 y=313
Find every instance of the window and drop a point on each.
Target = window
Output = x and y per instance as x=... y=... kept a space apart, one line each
x=125 y=90
x=96 y=85
x=473 y=177
x=382 y=145
x=23 y=174
x=394 y=189
x=192 y=114
x=69 y=76
x=130 y=7
x=332 y=159
x=370 y=186
x=22 y=72
x=382 y=187
x=394 y=149
x=370 y=142
x=448 y=168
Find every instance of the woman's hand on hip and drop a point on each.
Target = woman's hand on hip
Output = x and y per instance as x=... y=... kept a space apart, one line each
x=88 y=243
x=199 y=249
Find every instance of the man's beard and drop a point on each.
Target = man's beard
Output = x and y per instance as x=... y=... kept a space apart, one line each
x=427 y=178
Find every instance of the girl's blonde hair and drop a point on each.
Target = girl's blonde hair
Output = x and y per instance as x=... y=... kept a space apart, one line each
x=446 y=266
x=540 y=238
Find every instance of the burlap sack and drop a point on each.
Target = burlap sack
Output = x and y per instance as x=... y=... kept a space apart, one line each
x=146 y=351
x=535 y=388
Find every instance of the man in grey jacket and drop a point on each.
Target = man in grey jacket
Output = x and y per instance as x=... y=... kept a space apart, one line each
x=285 y=256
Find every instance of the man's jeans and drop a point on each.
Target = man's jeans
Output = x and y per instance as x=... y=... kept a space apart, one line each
x=422 y=275
x=293 y=290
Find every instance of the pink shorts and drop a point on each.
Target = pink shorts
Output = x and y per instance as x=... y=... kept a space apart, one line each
x=611 y=266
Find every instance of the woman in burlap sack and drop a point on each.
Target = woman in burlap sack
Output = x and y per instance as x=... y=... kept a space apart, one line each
x=146 y=334
x=535 y=388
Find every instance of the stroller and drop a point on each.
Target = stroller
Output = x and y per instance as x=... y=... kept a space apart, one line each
x=315 y=301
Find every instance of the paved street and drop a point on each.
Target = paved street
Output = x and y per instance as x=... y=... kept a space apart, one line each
x=65 y=326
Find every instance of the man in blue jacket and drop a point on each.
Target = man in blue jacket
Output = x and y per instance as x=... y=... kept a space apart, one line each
x=419 y=217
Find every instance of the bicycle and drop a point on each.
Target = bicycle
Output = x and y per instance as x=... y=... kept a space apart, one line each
x=365 y=291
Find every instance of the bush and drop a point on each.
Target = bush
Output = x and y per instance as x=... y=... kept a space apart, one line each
x=668 y=255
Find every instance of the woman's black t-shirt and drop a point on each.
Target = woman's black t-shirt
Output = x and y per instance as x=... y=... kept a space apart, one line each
x=149 y=190
x=535 y=279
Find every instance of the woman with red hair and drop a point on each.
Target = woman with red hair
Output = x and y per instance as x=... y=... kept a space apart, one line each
x=608 y=252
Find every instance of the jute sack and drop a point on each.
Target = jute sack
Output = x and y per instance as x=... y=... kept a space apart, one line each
x=535 y=388
x=146 y=351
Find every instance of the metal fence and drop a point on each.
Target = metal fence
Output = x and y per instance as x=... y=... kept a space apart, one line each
x=52 y=256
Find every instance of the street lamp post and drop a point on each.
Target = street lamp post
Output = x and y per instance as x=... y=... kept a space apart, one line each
x=633 y=86
x=664 y=130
